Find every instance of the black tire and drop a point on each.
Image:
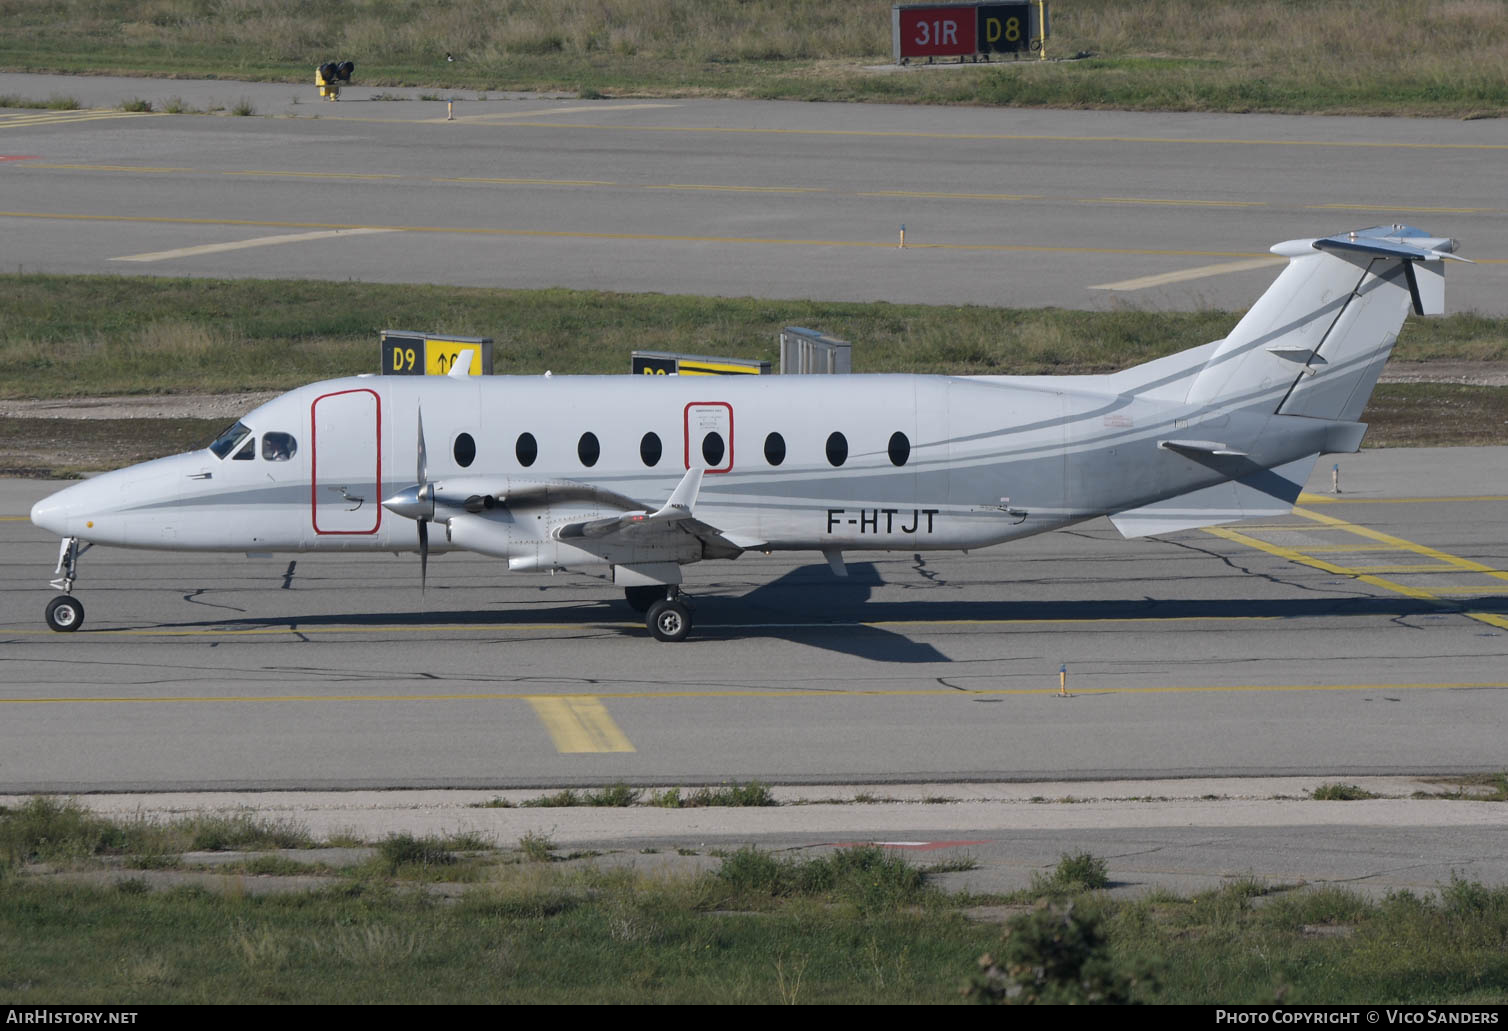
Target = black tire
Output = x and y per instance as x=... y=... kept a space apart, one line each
x=65 y=614
x=669 y=620
x=641 y=598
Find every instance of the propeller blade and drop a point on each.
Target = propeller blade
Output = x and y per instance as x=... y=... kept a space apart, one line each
x=424 y=495
x=423 y=463
x=423 y=554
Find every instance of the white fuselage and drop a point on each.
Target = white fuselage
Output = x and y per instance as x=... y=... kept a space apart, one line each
x=873 y=462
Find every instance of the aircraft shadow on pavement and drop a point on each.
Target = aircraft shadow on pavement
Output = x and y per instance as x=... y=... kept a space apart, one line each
x=811 y=606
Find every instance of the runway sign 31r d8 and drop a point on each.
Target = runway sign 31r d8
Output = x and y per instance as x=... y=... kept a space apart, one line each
x=966 y=30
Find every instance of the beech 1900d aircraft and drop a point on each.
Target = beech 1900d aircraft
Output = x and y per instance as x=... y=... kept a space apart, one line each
x=640 y=476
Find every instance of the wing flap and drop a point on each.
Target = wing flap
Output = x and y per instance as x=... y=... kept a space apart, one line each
x=1265 y=493
x=670 y=521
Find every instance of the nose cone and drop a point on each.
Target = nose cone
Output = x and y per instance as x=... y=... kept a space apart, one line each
x=45 y=514
x=57 y=513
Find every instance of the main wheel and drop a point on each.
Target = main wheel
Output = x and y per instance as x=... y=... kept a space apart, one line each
x=65 y=613
x=641 y=598
x=669 y=620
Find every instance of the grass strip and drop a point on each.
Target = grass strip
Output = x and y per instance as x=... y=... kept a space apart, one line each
x=848 y=926
x=80 y=336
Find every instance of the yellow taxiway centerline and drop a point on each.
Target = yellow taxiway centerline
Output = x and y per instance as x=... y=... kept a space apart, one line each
x=737 y=693
x=495 y=628
x=888 y=244
x=1345 y=499
x=1011 y=137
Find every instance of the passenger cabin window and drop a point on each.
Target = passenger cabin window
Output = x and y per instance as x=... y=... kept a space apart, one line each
x=527 y=449
x=227 y=441
x=464 y=450
x=278 y=447
x=650 y=449
x=837 y=449
x=588 y=449
x=712 y=449
x=774 y=449
x=900 y=448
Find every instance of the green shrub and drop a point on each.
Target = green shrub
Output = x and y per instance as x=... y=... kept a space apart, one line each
x=1053 y=956
x=1074 y=874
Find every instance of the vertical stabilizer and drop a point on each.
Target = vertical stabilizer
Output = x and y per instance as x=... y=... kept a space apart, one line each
x=1315 y=342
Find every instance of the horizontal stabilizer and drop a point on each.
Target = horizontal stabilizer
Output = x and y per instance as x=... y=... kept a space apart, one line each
x=1423 y=257
x=1265 y=493
x=1388 y=242
x=1199 y=448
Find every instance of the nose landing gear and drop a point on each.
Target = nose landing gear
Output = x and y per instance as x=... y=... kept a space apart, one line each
x=65 y=613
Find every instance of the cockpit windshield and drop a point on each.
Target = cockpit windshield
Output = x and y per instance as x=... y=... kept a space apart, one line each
x=226 y=442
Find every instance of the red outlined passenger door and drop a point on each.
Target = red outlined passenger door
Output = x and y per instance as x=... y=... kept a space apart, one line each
x=345 y=467
x=709 y=436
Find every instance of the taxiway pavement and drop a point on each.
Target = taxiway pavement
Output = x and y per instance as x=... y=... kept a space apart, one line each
x=1013 y=207
x=1365 y=634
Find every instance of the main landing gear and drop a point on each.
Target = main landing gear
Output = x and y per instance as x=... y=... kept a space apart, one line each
x=665 y=613
x=65 y=613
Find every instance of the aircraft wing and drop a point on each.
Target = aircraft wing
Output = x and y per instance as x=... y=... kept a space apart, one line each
x=672 y=519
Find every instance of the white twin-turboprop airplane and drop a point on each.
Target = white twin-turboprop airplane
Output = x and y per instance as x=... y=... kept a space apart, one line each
x=564 y=472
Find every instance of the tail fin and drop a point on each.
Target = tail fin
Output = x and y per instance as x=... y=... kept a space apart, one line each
x=1315 y=342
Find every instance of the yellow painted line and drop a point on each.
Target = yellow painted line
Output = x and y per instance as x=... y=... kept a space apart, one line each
x=739 y=189
x=737 y=693
x=510 y=115
x=580 y=724
x=307 y=631
x=1172 y=277
x=1405 y=568
x=1418 y=549
x=951 y=196
x=241 y=245
x=1163 y=279
x=1395 y=207
x=1015 y=137
x=1031 y=622
x=1277 y=550
x=1176 y=202
x=1345 y=499
x=315 y=175
x=15 y=519
x=1450 y=563
x=494 y=628
x=67 y=117
x=1474 y=589
x=1349 y=548
x=105 y=168
x=888 y=244
x=526 y=182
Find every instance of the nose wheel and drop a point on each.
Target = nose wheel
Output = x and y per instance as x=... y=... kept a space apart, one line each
x=65 y=613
